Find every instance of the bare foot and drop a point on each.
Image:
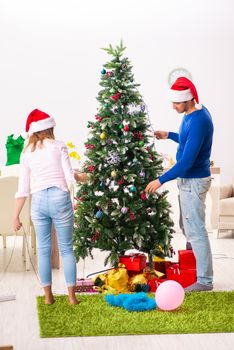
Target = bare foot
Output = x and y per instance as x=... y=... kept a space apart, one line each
x=73 y=300
x=49 y=299
x=72 y=296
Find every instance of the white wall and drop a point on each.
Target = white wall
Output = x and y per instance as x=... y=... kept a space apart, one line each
x=51 y=60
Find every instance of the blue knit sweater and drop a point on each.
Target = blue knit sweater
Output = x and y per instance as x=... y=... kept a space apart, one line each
x=193 y=153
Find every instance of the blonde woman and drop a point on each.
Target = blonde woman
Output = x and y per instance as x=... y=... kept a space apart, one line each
x=45 y=172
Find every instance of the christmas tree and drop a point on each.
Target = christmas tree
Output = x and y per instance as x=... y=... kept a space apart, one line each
x=113 y=211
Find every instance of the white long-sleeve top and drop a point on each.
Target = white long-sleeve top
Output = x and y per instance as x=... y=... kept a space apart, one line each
x=46 y=167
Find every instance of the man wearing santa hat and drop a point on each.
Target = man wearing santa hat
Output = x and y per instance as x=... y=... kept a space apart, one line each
x=192 y=171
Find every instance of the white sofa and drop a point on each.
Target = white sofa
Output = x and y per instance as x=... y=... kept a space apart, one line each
x=223 y=208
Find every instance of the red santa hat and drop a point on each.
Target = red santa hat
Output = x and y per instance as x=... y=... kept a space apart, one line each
x=38 y=121
x=184 y=90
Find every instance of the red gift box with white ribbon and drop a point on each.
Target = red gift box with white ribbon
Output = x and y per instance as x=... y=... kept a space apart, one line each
x=185 y=277
x=133 y=262
x=155 y=282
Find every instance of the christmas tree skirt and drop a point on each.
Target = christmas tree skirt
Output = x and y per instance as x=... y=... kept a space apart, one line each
x=203 y=312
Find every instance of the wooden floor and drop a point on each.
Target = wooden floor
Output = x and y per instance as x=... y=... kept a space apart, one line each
x=19 y=322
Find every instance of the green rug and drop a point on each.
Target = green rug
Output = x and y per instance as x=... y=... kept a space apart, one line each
x=203 y=312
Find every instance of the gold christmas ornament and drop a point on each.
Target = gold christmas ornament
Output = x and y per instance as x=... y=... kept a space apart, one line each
x=102 y=136
x=113 y=173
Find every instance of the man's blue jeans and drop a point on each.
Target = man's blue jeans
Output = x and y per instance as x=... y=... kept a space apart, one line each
x=192 y=198
x=54 y=205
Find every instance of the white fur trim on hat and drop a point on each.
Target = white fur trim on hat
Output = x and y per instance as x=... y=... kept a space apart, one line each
x=41 y=125
x=198 y=106
x=180 y=95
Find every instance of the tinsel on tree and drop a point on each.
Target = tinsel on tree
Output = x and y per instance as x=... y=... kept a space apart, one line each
x=113 y=211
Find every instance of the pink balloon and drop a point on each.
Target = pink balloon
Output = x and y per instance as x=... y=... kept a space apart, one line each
x=169 y=295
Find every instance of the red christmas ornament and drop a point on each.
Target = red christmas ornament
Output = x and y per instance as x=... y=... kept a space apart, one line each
x=132 y=216
x=91 y=168
x=121 y=182
x=95 y=236
x=143 y=196
x=126 y=128
x=89 y=146
x=116 y=96
x=109 y=74
x=98 y=118
x=137 y=135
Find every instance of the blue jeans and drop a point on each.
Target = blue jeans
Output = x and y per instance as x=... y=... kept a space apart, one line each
x=54 y=205
x=192 y=199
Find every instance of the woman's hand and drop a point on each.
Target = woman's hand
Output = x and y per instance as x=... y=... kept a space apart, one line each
x=81 y=177
x=17 y=224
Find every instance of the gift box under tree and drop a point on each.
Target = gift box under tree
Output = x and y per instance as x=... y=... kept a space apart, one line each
x=183 y=271
x=185 y=277
x=186 y=259
x=133 y=262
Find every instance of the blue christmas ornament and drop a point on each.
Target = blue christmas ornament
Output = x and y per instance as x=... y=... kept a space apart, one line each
x=132 y=189
x=103 y=71
x=142 y=108
x=99 y=214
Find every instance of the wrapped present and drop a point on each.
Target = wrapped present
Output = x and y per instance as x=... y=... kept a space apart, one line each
x=84 y=285
x=133 y=262
x=14 y=147
x=118 y=279
x=173 y=271
x=154 y=283
x=185 y=277
x=137 y=279
x=150 y=274
x=187 y=259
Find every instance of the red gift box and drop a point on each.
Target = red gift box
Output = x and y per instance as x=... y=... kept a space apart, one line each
x=182 y=276
x=133 y=262
x=154 y=283
x=187 y=259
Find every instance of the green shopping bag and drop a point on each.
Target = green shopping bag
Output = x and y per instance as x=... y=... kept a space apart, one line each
x=14 y=148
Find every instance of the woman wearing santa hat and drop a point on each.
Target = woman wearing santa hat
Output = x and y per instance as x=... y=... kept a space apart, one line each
x=192 y=170
x=45 y=171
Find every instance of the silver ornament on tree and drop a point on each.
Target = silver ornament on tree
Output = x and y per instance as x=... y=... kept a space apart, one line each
x=113 y=158
x=124 y=210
